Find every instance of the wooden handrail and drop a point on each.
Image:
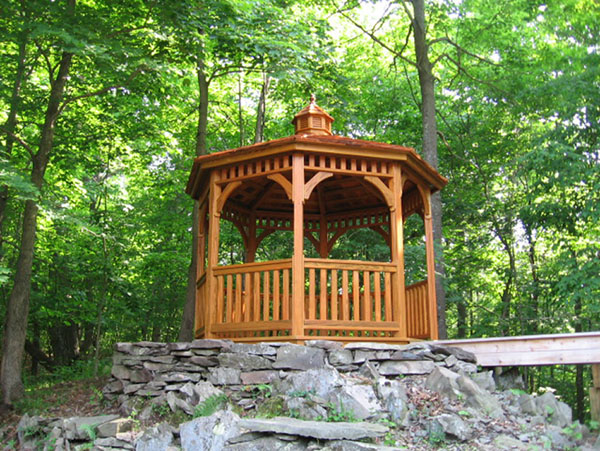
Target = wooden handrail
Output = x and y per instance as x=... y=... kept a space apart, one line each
x=253 y=267
x=252 y=326
x=349 y=265
x=416 y=284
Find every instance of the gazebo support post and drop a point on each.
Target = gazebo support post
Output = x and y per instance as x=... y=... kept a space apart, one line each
x=397 y=251
x=200 y=300
x=214 y=216
x=429 y=247
x=252 y=243
x=297 y=310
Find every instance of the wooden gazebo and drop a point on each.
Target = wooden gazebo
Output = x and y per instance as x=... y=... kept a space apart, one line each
x=318 y=186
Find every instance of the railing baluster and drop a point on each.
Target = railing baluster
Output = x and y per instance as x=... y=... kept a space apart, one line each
x=334 y=295
x=311 y=294
x=356 y=295
x=266 y=296
x=229 y=311
x=345 y=299
x=275 y=295
x=238 y=298
x=246 y=307
x=377 y=284
x=387 y=284
x=256 y=296
x=367 y=307
x=286 y=294
x=220 y=298
x=323 y=295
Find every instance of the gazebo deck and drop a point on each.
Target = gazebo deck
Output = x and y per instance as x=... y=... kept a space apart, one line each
x=343 y=300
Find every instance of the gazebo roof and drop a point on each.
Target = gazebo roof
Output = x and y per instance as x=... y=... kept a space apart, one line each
x=319 y=144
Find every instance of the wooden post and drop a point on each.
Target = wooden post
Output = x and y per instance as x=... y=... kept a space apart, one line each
x=595 y=393
x=297 y=312
x=323 y=247
x=200 y=302
x=252 y=244
x=214 y=216
x=431 y=297
x=397 y=248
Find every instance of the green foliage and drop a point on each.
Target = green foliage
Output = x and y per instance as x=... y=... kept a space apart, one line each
x=338 y=413
x=210 y=405
x=270 y=407
x=519 y=121
x=301 y=393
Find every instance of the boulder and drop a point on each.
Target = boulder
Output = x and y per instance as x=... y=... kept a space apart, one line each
x=244 y=362
x=485 y=380
x=443 y=381
x=296 y=357
x=395 y=399
x=350 y=445
x=527 y=404
x=209 y=343
x=157 y=438
x=340 y=357
x=304 y=407
x=459 y=353
x=480 y=399
x=357 y=399
x=406 y=367
x=453 y=425
x=267 y=443
x=320 y=382
x=324 y=344
x=556 y=412
x=259 y=377
x=114 y=427
x=315 y=429
x=254 y=348
x=81 y=428
x=224 y=376
x=209 y=433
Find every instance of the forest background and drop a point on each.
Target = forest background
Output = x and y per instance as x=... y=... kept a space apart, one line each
x=104 y=104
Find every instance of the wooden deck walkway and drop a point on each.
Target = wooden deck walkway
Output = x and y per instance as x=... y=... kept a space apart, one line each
x=540 y=350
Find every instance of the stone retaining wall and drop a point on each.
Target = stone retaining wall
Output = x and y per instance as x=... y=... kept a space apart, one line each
x=173 y=371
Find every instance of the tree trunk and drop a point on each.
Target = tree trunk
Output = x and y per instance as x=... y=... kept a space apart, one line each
x=18 y=303
x=430 y=153
x=532 y=312
x=259 y=134
x=11 y=123
x=186 y=332
x=461 y=318
x=578 y=326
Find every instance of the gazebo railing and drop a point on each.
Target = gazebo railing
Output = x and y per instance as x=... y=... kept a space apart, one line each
x=253 y=299
x=417 y=308
x=348 y=300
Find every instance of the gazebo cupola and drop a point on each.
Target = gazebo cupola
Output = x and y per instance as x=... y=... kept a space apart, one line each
x=312 y=120
x=316 y=186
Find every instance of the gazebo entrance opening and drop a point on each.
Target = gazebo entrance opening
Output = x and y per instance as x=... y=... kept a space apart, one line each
x=312 y=188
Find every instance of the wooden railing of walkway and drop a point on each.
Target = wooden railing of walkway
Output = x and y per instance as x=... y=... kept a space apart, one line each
x=539 y=350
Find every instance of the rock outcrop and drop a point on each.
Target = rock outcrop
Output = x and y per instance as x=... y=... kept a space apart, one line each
x=222 y=395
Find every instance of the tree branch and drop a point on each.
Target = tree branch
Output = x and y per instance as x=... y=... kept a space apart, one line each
x=26 y=146
x=463 y=50
x=100 y=91
x=379 y=41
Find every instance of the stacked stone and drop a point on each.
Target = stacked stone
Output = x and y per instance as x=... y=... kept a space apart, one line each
x=148 y=369
x=427 y=391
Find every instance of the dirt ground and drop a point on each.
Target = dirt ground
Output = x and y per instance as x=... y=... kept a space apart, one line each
x=65 y=399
